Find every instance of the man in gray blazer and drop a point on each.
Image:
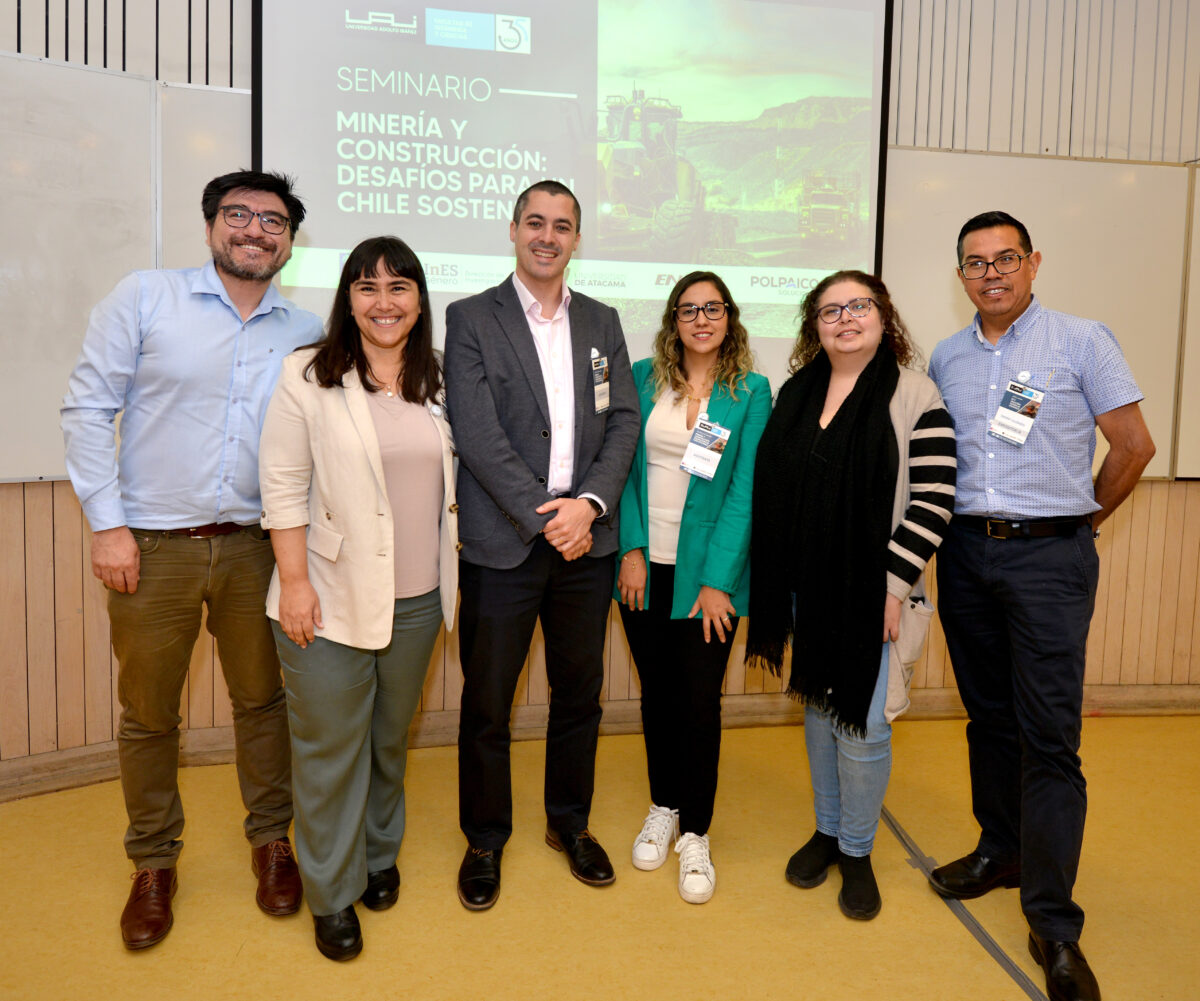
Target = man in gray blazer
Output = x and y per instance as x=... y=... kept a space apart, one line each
x=545 y=419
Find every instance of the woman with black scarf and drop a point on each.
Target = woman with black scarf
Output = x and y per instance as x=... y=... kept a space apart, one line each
x=853 y=487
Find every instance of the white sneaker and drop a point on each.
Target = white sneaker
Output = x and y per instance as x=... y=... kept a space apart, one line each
x=653 y=844
x=697 y=878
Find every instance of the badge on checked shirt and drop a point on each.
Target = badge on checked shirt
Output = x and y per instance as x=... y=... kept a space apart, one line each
x=1018 y=410
x=600 y=380
x=704 y=451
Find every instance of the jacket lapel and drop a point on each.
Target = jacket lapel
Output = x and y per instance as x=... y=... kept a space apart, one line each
x=516 y=328
x=581 y=366
x=360 y=416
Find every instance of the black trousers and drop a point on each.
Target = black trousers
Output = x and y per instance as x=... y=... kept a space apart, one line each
x=497 y=615
x=681 y=678
x=1016 y=614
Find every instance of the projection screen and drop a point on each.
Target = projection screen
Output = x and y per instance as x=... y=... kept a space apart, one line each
x=741 y=136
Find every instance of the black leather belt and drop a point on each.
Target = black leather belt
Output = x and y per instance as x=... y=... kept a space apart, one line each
x=1031 y=528
x=210 y=531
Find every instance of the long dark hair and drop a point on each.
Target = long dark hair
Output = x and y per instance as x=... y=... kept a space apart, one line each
x=735 y=360
x=341 y=348
x=895 y=333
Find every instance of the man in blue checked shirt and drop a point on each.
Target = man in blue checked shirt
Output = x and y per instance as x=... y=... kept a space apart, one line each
x=1017 y=574
x=189 y=359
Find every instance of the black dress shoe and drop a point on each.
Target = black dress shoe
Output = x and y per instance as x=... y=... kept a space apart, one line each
x=974 y=875
x=383 y=889
x=479 y=878
x=338 y=935
x=589 y=862
x=1068 y=976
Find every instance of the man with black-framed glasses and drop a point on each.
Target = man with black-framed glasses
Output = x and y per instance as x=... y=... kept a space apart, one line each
x=189 y=358
x=1017 y=574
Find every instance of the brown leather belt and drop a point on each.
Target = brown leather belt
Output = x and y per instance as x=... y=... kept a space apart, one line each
x=205 y=531
x=1031 y=528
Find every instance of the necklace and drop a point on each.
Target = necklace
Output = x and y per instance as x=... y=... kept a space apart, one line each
x=704 y=394
x=391 y=386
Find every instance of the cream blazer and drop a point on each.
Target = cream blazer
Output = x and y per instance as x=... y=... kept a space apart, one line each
x=319 y=465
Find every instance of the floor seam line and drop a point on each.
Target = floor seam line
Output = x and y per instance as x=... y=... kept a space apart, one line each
x=926 y=864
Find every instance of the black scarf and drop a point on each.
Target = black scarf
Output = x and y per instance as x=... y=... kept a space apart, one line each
x=822 y=519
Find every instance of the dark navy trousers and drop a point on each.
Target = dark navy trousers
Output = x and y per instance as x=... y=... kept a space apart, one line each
x=1016 y=614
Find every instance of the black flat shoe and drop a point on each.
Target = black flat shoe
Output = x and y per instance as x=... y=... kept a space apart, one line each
x=974 y=875
x=859 y=898
x=1068 y=976
x=589 y=862
x=479 y=878
x=383 y=889
x=809 y=866
x=338 y=935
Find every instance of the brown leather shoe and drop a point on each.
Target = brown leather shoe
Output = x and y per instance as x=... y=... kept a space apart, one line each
x=147 y=916
x=279 y=887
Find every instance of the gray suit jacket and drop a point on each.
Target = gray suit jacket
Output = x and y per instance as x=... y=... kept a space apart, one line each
x=496 y=398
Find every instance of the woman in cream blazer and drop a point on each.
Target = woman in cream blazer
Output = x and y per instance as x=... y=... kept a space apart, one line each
x=356 y=467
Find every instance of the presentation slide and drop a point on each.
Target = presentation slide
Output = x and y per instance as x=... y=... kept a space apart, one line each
x=740 y=136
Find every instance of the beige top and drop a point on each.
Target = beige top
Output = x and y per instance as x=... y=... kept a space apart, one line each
x=411 y=451
x=667 y=437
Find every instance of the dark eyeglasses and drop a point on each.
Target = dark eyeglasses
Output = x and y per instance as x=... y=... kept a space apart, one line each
x=1005 y=264
x=713 y=310
x=238 y=216
x=857 y=308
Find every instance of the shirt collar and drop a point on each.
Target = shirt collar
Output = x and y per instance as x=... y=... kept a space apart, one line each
x=528 y=301
x=208 y=282
x=1021 y=325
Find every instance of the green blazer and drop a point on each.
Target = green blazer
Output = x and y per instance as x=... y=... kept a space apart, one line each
x=714 y=534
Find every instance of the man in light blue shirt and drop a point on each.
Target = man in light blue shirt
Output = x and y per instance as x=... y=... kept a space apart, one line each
x=1017 y=573
x=189 y=359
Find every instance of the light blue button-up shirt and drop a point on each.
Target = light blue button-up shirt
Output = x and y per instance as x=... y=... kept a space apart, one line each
x=1079 y=366
x=170 y=352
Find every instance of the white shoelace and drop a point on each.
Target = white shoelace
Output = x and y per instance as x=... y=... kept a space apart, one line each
x=694 y=857
x=659 y=827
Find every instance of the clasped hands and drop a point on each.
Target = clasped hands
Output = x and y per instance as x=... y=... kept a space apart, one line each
x=570 y=530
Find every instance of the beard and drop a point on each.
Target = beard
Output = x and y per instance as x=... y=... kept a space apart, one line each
x=263 y=270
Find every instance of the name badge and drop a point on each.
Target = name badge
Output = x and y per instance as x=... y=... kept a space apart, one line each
x=600 y=386
x=1017 y=411
x=704 y=450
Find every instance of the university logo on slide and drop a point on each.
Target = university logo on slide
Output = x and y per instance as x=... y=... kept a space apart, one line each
x=381 y=20
x=462 y=29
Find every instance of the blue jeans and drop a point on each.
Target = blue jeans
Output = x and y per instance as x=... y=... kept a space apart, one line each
x=850 y=773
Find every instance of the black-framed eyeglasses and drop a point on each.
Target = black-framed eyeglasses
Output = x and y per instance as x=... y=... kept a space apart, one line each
x=238 y=216
x=1005 y=264
x=857 y=308
x=713 y=310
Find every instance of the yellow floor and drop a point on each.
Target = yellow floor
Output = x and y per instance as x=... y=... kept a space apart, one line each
x=64 y=882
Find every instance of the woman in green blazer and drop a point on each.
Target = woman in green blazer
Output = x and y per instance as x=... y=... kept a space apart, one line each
x=683 y=573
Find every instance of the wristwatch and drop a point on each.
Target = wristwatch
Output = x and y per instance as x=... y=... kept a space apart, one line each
x=595 y=505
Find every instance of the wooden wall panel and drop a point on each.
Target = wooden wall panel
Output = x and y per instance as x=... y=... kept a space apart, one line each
x=14 y=675
x=58 y=675
x=39 y=618
x=68 y=616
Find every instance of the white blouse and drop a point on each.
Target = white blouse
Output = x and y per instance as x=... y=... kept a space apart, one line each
x=667 y=437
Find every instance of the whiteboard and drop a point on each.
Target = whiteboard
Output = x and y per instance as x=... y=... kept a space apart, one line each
x=76 y=213
x=1188 y=460
x=203 y=132
x=1111 y=237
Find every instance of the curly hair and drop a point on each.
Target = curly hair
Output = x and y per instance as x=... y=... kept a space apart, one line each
x=895 y=333
x=735 y=360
